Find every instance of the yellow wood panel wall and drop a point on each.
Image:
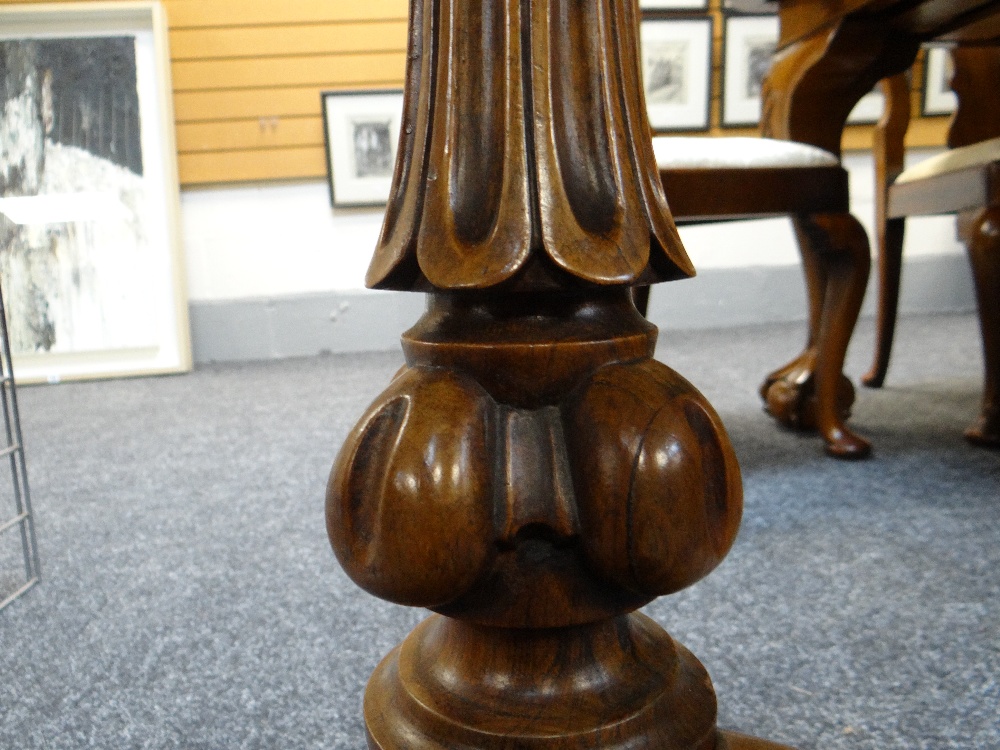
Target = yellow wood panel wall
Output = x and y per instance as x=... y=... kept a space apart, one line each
x=248 y=74
x=247 y=78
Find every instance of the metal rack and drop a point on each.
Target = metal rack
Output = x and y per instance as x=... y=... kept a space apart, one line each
x=21 y=521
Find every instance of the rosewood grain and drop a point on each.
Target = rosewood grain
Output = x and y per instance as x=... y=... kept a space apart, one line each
x=532 y=474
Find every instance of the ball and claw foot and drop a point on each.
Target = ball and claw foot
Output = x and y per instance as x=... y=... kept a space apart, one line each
x=789 y=395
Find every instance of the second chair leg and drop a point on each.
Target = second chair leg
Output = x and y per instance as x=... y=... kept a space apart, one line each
x=890 y=266
x=981 y=233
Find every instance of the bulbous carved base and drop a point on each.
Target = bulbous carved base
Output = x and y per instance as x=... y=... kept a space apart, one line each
x=621 y=684
x=534 y=476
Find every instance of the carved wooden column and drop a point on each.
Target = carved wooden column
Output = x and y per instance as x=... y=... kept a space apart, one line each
x=532 y=475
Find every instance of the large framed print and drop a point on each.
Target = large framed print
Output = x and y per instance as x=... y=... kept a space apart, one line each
x=362 y=134
x=91 y=263
x=673 y=5
x=938 y=98
x=677 y=72
x=748 y=46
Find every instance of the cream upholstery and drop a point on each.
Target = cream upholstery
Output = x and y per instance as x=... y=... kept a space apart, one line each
x=953 y=160
x=687 y=152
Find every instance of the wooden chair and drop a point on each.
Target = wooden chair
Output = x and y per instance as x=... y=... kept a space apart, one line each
x=965 y=180
x=724 y=179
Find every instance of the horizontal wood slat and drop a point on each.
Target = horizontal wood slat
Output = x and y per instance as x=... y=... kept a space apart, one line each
x=245 y=41
x=203 y=13
x=200 y=106
x=325 y=70
x=252 y=165
x=266 y=132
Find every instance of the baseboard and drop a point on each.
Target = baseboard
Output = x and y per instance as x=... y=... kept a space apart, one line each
x=727 y=297
x=340 y=322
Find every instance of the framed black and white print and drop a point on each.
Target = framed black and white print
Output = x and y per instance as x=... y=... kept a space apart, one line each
x=362 y=135
x=938 y=98
x=91 y=263
x=748 y=46
x=676 y=72
x=673 y=4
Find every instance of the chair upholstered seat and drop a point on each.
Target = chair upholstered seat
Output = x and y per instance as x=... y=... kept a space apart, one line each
x=731 y=178
x=953 y=160
x=959 y=179
x=737 y=152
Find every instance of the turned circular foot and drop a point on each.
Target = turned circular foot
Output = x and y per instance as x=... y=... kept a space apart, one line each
x=620 y=684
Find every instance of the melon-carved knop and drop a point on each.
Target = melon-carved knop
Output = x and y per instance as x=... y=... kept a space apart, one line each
x=629 y=479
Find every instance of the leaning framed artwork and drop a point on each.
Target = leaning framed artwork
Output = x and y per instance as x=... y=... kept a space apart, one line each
x=91 y=262
x=362 y=134
x=938 y=98
x=677 y=72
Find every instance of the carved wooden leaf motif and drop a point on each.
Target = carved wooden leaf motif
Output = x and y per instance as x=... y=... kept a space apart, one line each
x=517 y=146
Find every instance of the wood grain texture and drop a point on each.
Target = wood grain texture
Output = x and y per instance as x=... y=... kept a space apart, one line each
x=532 y=474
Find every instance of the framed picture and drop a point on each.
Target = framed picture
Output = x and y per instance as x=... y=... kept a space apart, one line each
x=676 y=72
x=91 y=264
x=938 y=98
x=748 y=46
x=362 y=134
x=673 y=4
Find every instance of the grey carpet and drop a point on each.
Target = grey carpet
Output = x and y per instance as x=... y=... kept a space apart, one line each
x=190 y=598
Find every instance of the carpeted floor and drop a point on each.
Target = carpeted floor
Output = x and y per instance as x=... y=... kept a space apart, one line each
x=190 y=598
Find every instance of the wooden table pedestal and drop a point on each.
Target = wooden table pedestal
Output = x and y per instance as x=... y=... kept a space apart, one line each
x=532 y=475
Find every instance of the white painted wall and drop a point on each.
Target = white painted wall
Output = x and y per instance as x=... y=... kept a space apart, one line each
x=285 y=240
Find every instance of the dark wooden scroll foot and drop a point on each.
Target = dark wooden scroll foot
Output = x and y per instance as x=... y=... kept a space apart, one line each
x=789 y=395
x=811 y=392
